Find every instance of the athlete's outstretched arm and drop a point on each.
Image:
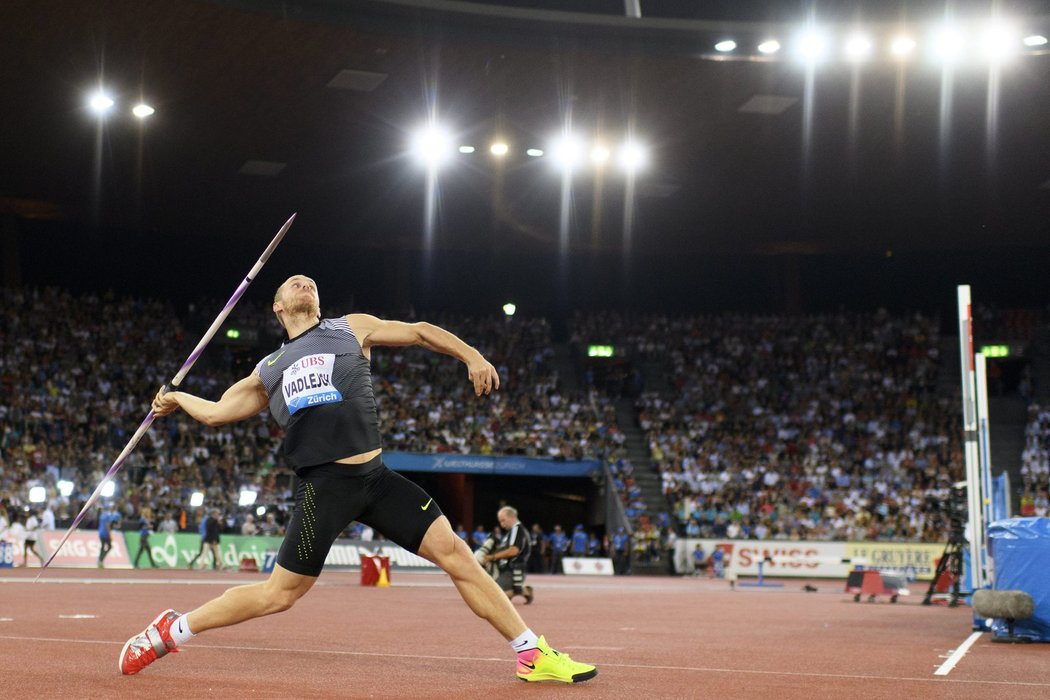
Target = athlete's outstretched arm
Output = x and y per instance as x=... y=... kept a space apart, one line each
x=242 y=400
x=372 y=331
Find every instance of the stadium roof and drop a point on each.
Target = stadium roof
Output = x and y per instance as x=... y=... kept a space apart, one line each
x=265 y=107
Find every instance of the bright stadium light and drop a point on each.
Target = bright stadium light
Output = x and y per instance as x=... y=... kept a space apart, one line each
x=260 y=511
x=769 y=47
x=37 y=494
x=858 y=47
x=633 y=157
x=108 y=488
x=599 y=155
x=566 y=151
x=812 y=46
x=509 y=308
x=466 y=149
x=432 y=145
x=534 y=152
x=247 y=498
x=65 y=488
x=196 y=499
x=999 y=43
x=1034 y=40
x=725 y=46
x=142 y=110
x=100 y=102
x=947 y=45
x=499 y=149
x=902 y=46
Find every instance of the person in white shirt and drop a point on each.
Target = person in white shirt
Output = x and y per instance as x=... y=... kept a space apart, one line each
x=16 y=532
x=32 y=528
x=47 y=519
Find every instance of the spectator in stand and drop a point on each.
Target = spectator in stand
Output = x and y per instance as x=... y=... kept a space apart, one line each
x=461 y=533
x=168 y=526
x=248 y=527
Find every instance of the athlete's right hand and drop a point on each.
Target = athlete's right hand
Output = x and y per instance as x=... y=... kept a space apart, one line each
x=164 y=402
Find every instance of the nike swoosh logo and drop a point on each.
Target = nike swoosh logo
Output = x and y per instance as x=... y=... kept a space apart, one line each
x=270 y=363
x=427 y=505
x=528 y=665
x=180 y=626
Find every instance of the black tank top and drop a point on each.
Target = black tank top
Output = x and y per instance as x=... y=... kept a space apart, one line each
x=320 y=389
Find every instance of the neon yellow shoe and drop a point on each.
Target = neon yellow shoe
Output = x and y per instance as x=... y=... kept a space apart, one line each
x=546 y=664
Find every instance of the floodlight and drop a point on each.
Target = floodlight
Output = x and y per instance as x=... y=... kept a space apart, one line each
x=725 y=46
x=247 y=498
x=100 y=102
x=509 y=308
x=902 y=46
x=534 y=152
x=466 y=149
x=499 y=148
x=769 y=46
x=599 y=155
x=65 y=488
x=37 y=494
x=260 y=511
x=196 y=499
x=566 y=151
x=108 y=488
x=947 y=45
x=633 y=157
x=999 y=43
x=1034 y=40
x=858 y=47
x=432 y=145
x=142 y=110
x=812 y=46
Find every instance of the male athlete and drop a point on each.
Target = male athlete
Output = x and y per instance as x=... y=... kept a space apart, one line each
x=318 y=387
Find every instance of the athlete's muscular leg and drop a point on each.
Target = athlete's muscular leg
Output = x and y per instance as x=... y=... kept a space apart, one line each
x=275 y=594
x=479 y=590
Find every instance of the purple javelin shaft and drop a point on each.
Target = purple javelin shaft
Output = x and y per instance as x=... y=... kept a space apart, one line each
x=179 y=376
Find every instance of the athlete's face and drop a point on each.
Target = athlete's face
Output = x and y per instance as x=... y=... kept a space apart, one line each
x=298 y=295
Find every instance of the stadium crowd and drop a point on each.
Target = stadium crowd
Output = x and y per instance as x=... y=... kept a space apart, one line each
x=821 y=427
x=1035 y=463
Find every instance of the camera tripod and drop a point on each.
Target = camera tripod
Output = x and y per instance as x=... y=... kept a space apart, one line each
x=952 y=562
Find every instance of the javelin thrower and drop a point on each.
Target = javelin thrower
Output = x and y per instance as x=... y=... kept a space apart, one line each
x=318 y=387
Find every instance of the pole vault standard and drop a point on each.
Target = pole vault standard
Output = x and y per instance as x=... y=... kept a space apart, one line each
x=172 y=385
x=983 y=442
x=975 y=531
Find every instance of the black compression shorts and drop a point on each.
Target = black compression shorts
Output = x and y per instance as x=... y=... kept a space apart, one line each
x=331 y=496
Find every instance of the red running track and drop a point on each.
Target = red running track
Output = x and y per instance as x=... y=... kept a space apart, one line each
x=650 y=637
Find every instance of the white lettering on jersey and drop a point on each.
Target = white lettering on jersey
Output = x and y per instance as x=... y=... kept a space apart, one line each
x=308 y=382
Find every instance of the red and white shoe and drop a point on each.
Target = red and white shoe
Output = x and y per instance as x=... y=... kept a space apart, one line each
x=149 y=645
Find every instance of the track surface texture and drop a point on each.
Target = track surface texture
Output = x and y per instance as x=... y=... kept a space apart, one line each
x=650 y=637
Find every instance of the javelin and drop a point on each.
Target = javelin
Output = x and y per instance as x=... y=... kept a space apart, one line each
x=173 y=385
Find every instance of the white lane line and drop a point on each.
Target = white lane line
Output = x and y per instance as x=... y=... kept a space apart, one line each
x=77 y=616
x=957 y=655
x=504 y=660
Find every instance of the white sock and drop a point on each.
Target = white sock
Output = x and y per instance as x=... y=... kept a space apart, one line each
x=525 y=641
x=180 y=630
